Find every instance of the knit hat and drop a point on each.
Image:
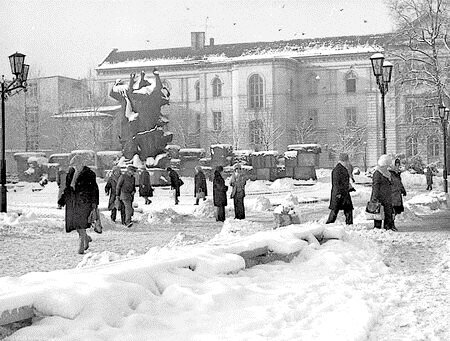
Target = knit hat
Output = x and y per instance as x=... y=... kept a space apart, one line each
x=384 y=160
x=78 y=160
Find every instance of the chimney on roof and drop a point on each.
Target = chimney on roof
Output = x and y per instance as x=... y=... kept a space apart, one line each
x=197 y=40
x=211 y=41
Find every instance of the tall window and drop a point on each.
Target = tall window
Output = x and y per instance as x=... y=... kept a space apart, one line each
x=291 y=89
x=433 y=146
x=312 y=84
x=31 y=89
x=350 y=116
x=217 y=120
x=350 y=82
x=313 y=117
x=411 y=146
x=197 y=90
x=199 y=120
x=256 y=130
x=217 y=87
x=255 y=92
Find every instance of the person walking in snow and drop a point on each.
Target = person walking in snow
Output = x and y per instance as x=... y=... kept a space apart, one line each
x=340 y=191
x=125 y=190
x=145 y=187
x=80 y=197
x=238 y=181
x=110 y=189
x=398 y=190
x=382 y=192
x=219 y=193
x=175 y=183
x=200 y=188
x=429 y=177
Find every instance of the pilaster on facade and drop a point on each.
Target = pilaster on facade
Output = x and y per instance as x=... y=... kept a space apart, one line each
x=373 y=128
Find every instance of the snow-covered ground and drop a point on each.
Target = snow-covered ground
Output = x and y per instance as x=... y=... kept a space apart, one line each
x=344 y=289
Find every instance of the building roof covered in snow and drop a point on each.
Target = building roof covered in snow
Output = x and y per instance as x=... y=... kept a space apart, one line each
x=246 y=51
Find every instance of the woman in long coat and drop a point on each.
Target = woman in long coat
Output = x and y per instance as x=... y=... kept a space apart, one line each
x=110 y=189
x=200 y=188
x=382 y=192
x=340 y=191
x=175 y=184
x=219 y=194
x=80 y=198
x=398 y=190
x=145 y=186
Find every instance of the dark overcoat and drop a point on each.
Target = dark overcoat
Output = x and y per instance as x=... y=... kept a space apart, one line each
x=200 y=183
x=126 y=187
x=175 y=182
x=110 y=189
x=340 y=184
x=429 y=176
x=398 y=190
x=145 y=187
x=79 y=201
x=219 y=190
x=382 y=188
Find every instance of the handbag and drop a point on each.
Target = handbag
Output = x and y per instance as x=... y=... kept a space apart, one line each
x=94 y=220
x=200 y=195
x=374 y=210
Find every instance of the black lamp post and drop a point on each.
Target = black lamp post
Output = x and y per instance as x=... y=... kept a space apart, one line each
x=20 y=71
x=443 y=115
x=382 y=71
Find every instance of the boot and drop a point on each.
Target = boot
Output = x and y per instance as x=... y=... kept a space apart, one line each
x=81 y=245
x=87 y=240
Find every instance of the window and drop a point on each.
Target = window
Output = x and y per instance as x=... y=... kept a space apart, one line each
x=31 y=89
x=312 y=84
x=313 y=117
x=217 y=87
x=350 y=116
x=199 y=120
x=433 y=146
x=411 y=146
x=255 y=92
x=32 y=128
x=291 y=89
x=217 y=120
x=197 y=90
x=255 y=130
x=350 y=82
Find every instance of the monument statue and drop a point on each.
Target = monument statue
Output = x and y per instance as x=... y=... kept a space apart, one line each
x=142 y=132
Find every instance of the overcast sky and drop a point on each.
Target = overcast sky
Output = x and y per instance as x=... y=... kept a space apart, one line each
x=71 y=37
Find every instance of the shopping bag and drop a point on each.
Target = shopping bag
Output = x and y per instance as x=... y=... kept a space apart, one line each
x=374 y=211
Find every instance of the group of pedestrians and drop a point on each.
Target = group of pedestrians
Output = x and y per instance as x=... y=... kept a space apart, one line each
x=387 y=189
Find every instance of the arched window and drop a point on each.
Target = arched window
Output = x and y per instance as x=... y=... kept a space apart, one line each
x=312 y=84
x=197 y=90
x=411 y=146
x=255 y=131
x=217 y=87
x=433 y=146
x=255 y=92
x=350 y=82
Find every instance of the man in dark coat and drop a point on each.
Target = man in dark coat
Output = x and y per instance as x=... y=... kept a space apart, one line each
x=219 y=193
x=110 y=189
x=175 y=183
x=340 y=195
x=145 y=186
x=429 y=177
x=126 y=187
x=80 y=197
x=200 y=188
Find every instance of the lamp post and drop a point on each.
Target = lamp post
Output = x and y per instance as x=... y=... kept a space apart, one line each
x=443 y=115
x=20 y=71
x=382 y=71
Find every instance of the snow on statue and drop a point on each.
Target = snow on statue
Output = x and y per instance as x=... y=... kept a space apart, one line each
x=142 y=131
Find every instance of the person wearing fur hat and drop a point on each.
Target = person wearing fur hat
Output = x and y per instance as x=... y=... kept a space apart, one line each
x=110 y=189
x=340 y=191
x=200 y=188
x=398 y=190
x=126 y=187
x=382 y=192
x=80 y=198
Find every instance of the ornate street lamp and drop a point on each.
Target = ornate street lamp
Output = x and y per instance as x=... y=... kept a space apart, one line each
x=443 y=115
x=382 y=71
x=20 y=71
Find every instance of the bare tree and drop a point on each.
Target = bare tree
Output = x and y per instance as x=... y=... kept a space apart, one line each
x=305 y=131
x=351 y=140
x=266 y=130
